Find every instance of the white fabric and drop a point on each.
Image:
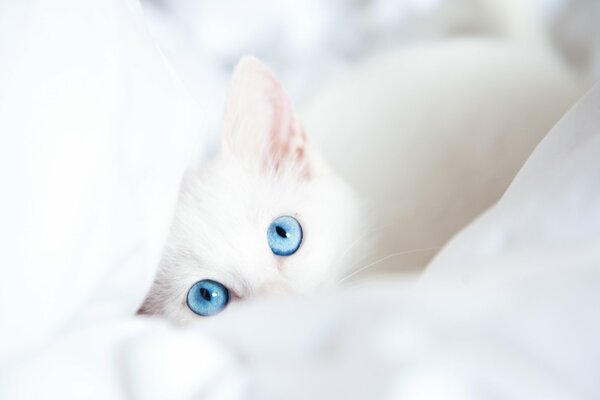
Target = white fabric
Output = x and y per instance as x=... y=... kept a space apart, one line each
x=96 y=133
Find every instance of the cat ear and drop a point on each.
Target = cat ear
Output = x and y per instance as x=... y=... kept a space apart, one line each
x=260 y=125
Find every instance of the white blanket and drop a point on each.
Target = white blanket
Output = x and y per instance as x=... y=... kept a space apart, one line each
x=96 y=132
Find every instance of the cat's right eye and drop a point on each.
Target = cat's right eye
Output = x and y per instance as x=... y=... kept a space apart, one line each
x=207 y=297
x=284 y=235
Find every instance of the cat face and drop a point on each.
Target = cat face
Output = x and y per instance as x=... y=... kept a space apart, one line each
x=264 y=216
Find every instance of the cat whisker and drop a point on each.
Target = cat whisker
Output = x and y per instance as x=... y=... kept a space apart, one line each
x=401 y=253
x=361 y=238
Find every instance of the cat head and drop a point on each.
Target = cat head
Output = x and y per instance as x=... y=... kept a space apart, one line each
x=265 y=215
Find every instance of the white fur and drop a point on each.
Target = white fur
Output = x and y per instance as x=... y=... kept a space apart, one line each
x=220 y=227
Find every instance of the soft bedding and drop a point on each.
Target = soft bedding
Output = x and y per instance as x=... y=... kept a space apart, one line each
x=96 y=133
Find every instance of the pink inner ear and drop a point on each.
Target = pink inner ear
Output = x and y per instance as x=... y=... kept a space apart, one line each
x=260 y=124
x=288 y=136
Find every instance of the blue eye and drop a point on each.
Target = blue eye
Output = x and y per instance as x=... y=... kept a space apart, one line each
x=207 y=297
x=284 y=236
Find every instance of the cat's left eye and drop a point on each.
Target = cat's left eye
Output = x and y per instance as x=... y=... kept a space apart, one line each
x=207 y=297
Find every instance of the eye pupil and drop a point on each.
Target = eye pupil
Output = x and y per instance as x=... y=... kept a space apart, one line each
x=205 y=294
x=281 y=232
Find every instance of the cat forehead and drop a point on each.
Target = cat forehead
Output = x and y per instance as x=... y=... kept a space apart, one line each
x=239 y=191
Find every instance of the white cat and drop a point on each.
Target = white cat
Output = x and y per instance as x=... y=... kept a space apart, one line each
x=265 y=215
